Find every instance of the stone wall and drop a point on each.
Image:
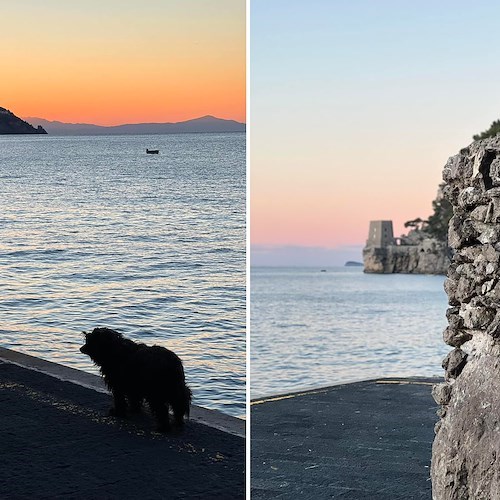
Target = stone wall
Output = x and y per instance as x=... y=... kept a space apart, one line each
x=466 y=449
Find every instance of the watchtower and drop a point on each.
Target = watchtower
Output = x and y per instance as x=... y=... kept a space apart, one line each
x=380 y=234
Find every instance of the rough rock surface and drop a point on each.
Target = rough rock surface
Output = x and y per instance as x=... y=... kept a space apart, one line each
x=466 y=449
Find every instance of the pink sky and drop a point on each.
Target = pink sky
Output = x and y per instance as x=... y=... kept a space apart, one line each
x=355 y=108
x=328 y=199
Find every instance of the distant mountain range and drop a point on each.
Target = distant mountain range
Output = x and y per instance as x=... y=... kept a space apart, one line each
x=11 y=124
x=198 y=125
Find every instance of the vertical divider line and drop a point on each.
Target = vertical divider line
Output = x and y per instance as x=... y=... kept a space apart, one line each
x=247 y=257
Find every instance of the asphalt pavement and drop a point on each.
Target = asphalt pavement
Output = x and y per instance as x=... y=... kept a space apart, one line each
x=56 y=441
x=366 y=440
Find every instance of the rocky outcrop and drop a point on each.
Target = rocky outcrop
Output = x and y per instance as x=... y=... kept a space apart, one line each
x=429 y=256
x=424 y=250
x=466 y=449
x=11 y=124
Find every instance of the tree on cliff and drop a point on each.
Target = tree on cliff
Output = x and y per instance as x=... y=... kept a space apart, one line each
x=415 y=223
x=491 y=132
x=436 y=226
x=437 y=223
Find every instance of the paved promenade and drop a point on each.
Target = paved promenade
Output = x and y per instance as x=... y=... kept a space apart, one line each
x=367 y=440
x=57 y=442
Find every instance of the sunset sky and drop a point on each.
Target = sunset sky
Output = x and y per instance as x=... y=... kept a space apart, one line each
x=355 y=108
x=110 y=62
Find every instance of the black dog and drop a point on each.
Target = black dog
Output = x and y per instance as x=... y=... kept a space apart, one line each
x=136 y=372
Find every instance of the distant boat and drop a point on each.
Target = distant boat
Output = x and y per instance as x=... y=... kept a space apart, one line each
x=152 y=151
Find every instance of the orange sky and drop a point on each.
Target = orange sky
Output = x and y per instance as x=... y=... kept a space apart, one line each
x=112 y=62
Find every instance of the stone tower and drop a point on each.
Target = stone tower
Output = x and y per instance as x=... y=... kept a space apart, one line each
x=380 y=234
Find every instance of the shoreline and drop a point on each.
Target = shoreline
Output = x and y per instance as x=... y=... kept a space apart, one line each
x=390 y=379
x=59 y=441
x=211 y=418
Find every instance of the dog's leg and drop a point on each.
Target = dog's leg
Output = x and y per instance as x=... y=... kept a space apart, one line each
x=160 y=411
x=134 y=402
x=180 y=401
x=120 y=404
x=179 y=409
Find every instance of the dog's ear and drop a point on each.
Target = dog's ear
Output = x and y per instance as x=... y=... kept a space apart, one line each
x=85 y=334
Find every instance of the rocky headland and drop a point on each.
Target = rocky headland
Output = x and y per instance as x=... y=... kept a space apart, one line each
x=11 y=124
x=424 y=250
x=425 y=256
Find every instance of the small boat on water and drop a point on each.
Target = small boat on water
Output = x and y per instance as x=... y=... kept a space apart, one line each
x=152 y=151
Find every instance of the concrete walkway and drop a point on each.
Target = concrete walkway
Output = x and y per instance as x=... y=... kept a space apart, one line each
x=367 y=440
x=57 y=442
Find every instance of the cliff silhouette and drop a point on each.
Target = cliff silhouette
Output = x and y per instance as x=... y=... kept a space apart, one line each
x=11 y=124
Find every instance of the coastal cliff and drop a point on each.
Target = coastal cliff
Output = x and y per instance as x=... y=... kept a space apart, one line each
x=11 y=124
x=427 y=257
x=424 y=250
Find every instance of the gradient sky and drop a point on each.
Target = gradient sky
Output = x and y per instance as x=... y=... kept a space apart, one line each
x=355 y=108
x=121 y=61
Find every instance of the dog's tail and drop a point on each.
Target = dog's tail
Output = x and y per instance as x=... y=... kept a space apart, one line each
x=188 y=395
x=181 y=403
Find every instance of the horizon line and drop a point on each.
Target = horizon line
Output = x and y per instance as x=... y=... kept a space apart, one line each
x=279 y=246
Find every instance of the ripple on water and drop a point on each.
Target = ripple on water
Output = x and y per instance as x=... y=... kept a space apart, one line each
x=153 y=249
x=311 y=330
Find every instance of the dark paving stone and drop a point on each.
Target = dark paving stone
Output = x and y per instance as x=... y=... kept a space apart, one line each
x=56 y=442
x=367 y=440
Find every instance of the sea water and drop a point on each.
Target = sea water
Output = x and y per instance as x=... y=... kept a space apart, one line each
x=95 y=232
x=314 y=329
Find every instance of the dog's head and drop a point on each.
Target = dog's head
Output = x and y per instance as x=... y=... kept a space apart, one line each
x=100 y=344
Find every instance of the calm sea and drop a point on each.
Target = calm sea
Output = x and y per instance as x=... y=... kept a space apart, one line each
x=94 y=232
x=313 y=329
